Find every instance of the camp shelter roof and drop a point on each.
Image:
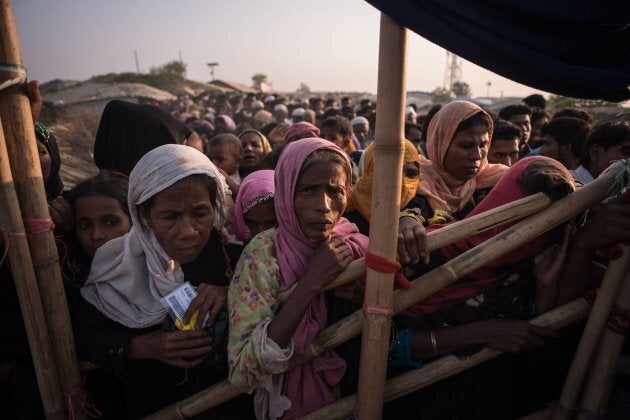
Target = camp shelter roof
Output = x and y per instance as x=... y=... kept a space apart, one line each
x=577 y=48
x=83 y=92
x=239 y=87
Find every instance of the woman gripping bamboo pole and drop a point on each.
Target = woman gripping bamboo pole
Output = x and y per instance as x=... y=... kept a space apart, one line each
x=428 y=284
x=23 y=156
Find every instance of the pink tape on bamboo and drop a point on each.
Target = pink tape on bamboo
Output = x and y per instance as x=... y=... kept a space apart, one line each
x=385 y=265
x=77 y=399
x=6 y=240
x=35 y=226
x=373 y=310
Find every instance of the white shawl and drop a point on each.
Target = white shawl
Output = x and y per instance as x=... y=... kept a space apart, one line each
x=130 y=274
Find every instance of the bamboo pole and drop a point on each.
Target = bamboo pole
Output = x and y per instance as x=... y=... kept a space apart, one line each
x=23 y=157
x=19 y=258
x=388 y=164
x=448 y=366
x=426 y=285
x=617 y=270
x=598 y=386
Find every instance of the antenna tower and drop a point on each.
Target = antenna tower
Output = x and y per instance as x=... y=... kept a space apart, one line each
x=452 y=71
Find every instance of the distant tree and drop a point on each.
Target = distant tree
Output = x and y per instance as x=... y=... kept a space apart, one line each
x=303 y=89
x=440 y=95
x=558 y=102
x=461 y=89
x=258 y=80
x=173 y=68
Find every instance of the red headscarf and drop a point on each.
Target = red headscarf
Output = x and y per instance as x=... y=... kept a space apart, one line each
x=299 y=131
x=442 y=190
x=528 y=176
x=308 y=386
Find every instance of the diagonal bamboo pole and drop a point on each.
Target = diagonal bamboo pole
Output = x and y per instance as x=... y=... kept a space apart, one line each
x=388 y=149
x=598 y=386
x=447 y=366
x=19 y=258
x=424 y=286
x=23 y=157
x=618 y=270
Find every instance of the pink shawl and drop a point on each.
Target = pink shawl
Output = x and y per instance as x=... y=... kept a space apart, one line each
x=441 y=189
x=307 y=386
x=300 y=130
x=256 y=188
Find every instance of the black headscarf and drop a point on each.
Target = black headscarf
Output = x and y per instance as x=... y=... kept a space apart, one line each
x=128 y=131
x=53 y=184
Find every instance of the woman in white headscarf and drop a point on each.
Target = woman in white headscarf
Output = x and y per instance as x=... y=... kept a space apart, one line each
x=177 y=207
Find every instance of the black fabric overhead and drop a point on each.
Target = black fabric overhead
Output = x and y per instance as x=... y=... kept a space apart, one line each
x=576 y=48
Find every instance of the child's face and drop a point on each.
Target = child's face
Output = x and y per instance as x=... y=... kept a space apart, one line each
x=225 y=158
x=98 y=219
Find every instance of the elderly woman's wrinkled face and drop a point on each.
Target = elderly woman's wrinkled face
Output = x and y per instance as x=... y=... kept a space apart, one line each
x=468 y=148
x=181 y=217
x=320 y=199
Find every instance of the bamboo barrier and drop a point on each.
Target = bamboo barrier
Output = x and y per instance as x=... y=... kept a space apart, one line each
x=23 y=157
x=19 y=258
x=598 y=385
x=448 y=366
x=617 y=270
x=424 y=286
x=388 y=164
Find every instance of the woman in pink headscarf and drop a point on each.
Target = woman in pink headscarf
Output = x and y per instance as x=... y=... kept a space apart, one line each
x=310 y=247
x=458 y=174
x=300 y=130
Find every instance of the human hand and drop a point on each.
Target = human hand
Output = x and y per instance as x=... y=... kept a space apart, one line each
x=609 y=226
x=276 y=135
x=330 y=258
x=61 y=214
x=209 y=300
x=35 y=99
x=549 y=269
x=175 y=348
x=513 y=336
x=412 y=241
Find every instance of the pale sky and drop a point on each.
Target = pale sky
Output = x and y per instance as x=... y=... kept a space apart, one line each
x=330 y=45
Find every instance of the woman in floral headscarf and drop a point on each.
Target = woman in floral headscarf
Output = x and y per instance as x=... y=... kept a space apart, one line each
x=310 y=247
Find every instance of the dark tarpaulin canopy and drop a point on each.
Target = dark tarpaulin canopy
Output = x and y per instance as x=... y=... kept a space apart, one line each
x=576 y=48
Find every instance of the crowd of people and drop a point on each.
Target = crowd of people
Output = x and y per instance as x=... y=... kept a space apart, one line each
x=201 y=249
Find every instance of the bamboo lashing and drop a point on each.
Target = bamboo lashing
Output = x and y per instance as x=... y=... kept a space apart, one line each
x=19 y=258
x=448 y=366
x=388 y=164
x=27 y=176
x=349 y=327
x=617 y=270
x=598 y=385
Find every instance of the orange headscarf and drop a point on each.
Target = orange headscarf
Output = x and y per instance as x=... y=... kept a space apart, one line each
x=361 y=197
x=442 y=190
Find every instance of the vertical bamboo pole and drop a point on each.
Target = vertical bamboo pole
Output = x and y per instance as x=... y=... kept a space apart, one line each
x=617 y=270
x=23 y=157
x=19 y=258
x=388 y=145
x=601 y=374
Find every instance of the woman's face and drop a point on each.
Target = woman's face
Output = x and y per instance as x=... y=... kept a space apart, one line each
x=468 y=148
x=320 y=199
x=45 y=160
x=252 y=150
x=261 y=217
x=98 y=219
x=181 y=217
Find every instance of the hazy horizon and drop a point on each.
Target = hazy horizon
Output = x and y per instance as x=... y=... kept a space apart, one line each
x=331 y=47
